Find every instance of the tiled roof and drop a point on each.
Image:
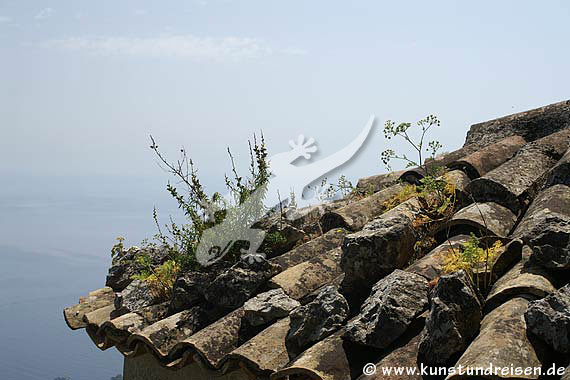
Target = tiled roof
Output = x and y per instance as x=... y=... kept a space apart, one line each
x=515 y=168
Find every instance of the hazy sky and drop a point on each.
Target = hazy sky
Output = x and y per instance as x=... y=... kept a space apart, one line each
x=83 y=83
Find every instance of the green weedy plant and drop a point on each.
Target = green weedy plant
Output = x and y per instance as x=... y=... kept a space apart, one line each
x=118 y=248
x=435 y=194
x=328 y=191
x=434 y=188
x=161 y=278
x=203 y=211
x=342 y=188
x=392 y=130
x=272 y=240
x=292 y=201
x=409 y=191
x=474 y=257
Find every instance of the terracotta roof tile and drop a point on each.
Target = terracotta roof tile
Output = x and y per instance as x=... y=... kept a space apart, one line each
x=266 y=352
x=483 y=161
x=302 y=279
x=483 y=219
x=515 y=183
x=315 y=247
x=502 y=341
x=213 y=343
x=325 y=360
x=531 y=125
x=95 y=300
x=356 y=214
x=524 y=279
x=560 y=173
